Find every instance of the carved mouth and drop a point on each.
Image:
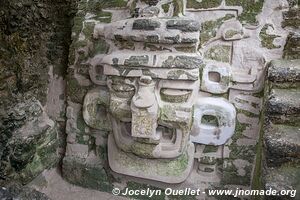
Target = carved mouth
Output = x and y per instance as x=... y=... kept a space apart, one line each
x=165 y=135
x=170 y=143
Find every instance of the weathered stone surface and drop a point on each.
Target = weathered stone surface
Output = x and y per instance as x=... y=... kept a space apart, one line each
x=203 y=4
x=283 y=178
x=29 y=142
x=291 y=18
x=35 y=38
x=282 y=101
x=15 y=191
x=291 y=48
x=184 y=62
x=268 y=39
x=86 y=173
x=145 y=24
x=284 y=71
x=282 y=144
x=184 y=25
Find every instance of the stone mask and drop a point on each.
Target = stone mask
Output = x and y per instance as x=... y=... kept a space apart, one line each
x=152 y=98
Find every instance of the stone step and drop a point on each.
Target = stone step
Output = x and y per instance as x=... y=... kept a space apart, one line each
x=284 y=71
x=286 y=177
x=283 y=102
x=282 y=144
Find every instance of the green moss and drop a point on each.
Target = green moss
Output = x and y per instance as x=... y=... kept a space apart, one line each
x=203 y=4
x=220 y=53
x=142 y=149
x=210 y=119
x=231 y=177
x=266 y=39
x=247 y=113
x=78 y=171
x=257 y=174
x=186 y=49
x=210 y=148
x=132 y=8
x=225 y=95
x=251 y=8
x=104 y=17
x=231 y=33
x=100 y=47
x=166 y=7
x=75 y=91
x=178 y=7
x=98 y=5
x=209 y=28
x=80 y=139
x=239 y=129
x=174 y=98
x=45 y=155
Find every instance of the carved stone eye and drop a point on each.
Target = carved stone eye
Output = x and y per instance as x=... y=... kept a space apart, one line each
x=121 y=89
x=175 y=95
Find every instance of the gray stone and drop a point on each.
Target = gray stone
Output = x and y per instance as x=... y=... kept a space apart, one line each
x=184 y=25
x=145 y=24
x=284 y=71
x=16 y=192
x=136 y=61
x=283 y=101
x=286 y=177
x=282 y=144
x=185 y=62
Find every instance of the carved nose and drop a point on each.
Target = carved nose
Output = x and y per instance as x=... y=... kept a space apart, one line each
x=144 y=97
x=144 y=109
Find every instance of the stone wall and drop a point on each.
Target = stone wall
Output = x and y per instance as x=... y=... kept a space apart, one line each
x=281 y=137
x=34 y=38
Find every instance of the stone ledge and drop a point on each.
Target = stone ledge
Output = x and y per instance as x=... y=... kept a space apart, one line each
x=282 y=144
x=283 y=101
x=284 y=178
x=284 y=71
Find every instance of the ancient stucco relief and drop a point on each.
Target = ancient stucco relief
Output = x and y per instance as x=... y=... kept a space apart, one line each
x=178 y=88
x=154 y=102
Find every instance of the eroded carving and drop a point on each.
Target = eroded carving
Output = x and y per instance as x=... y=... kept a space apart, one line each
x=154 y=103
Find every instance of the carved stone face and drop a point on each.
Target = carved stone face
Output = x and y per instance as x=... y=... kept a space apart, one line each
x=152 y=113
x=153 y=96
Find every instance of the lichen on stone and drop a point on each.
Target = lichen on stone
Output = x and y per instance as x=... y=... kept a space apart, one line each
x=267 y=40
x=251 y=8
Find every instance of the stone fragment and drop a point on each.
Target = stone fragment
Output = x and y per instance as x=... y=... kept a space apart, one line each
x=145 y=24
x=184 y=25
